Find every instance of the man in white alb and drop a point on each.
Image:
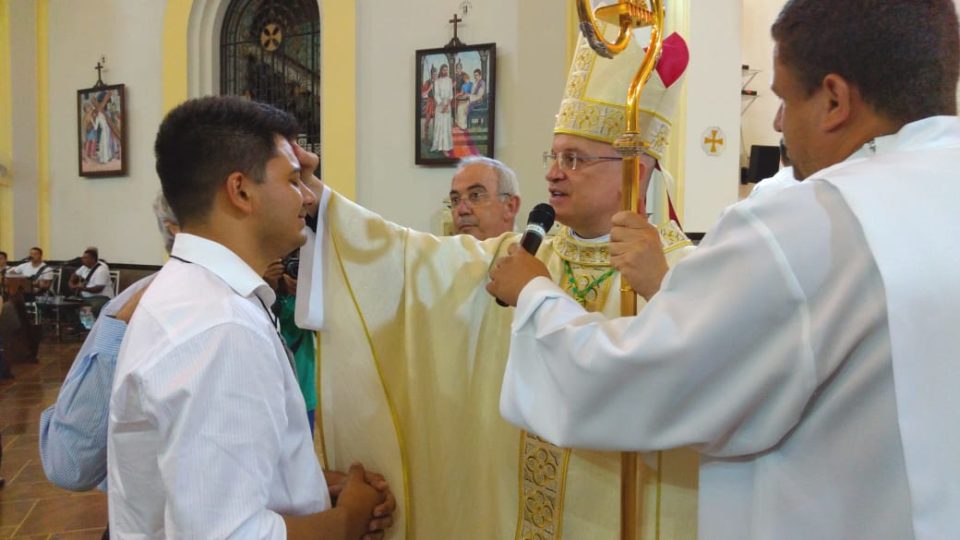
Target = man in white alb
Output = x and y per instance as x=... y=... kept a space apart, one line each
x=808 y=347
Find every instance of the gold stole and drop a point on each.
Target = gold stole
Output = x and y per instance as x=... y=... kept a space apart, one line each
x=586 y=275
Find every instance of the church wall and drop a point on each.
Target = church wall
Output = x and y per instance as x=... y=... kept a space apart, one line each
x=531 y=69
x=111 y=213
x=713 y=88
x=758 y=16
x=23 y=166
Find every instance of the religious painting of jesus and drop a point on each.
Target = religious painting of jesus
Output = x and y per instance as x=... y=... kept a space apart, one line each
x=102 y=131
x=454 y=103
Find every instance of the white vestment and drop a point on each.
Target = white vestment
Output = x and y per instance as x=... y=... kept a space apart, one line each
x=443 y=121
x=807 y=349
x=104 y=152
x=412 y=358
x=783 y=179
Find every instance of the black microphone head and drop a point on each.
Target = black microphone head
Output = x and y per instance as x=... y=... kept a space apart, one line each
x=543 y=215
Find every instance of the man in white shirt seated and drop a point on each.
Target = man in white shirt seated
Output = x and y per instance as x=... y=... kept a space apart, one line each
x=92 y=280
x=38 y=272
x=208 y=434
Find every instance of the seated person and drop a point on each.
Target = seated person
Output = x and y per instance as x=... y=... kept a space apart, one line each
x=92 y=280
x=38 y=272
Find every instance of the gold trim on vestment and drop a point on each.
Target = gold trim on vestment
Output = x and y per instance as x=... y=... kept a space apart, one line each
x=407 y=504
x=672 y=237
x=542 y=466
x=543 y=479
x=576 y=251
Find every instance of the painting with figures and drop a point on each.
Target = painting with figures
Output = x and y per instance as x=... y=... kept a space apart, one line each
x=102 y=131
x=454 y=103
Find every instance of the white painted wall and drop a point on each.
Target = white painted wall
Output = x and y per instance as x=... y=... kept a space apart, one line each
x=713 y=99
x=531 y=71
x=112 y=213
x=758 y=16
x=23 y=88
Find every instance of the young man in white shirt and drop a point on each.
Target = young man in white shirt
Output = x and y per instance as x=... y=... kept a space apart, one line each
x=208 y=434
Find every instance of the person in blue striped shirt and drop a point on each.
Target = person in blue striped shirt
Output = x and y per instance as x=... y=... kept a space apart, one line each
x=73 y=431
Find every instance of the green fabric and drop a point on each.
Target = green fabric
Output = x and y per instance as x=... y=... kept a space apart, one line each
x=303 y=345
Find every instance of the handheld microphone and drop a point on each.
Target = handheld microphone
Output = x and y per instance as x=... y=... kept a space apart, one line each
x=538 y=223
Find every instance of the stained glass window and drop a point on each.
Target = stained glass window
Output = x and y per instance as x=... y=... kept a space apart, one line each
x=270 y=52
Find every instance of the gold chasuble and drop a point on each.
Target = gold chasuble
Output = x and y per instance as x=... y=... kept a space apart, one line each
x=412 y=358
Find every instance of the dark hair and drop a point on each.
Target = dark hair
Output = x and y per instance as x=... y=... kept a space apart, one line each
x=93 y=252
x=4 y=253
x=478 y=72
x=202 y=141
x=38 y=249
x=902 y=55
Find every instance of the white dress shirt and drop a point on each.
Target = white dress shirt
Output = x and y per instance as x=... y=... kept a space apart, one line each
x=807 y=349
x=208 y=433
x=98 y=275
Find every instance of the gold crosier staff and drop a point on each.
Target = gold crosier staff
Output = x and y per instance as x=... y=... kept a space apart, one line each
x=627 y=15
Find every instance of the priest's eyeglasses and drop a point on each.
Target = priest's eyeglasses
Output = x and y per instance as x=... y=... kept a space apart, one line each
x=473 y=198
x=568 y=161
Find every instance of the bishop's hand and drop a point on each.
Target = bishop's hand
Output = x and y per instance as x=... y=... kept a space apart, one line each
x=510 y=274
x=308 y=167
x=637 y=252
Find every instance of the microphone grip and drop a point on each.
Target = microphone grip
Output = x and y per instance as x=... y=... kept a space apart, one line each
x=530 y=242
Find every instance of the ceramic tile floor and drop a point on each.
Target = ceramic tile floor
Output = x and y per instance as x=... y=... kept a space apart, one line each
x=30 y=506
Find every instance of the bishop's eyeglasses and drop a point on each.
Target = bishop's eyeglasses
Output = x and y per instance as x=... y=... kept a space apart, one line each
x=568 y=161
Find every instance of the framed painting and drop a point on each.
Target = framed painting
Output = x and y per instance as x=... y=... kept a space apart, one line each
x=455 y=103
x=102 y=131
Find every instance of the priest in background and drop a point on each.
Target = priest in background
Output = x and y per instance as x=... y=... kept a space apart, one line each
x=808 y=348
x=413 y=351
x=484 y=198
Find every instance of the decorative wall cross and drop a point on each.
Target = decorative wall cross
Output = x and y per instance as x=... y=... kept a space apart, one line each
x=455 y=42
x=101 y=65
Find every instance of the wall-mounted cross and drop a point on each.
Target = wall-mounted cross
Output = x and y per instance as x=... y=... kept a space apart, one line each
x=101 y=65
x=455 y=42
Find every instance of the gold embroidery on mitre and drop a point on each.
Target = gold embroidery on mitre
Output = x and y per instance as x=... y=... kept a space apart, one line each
x=543 y=477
